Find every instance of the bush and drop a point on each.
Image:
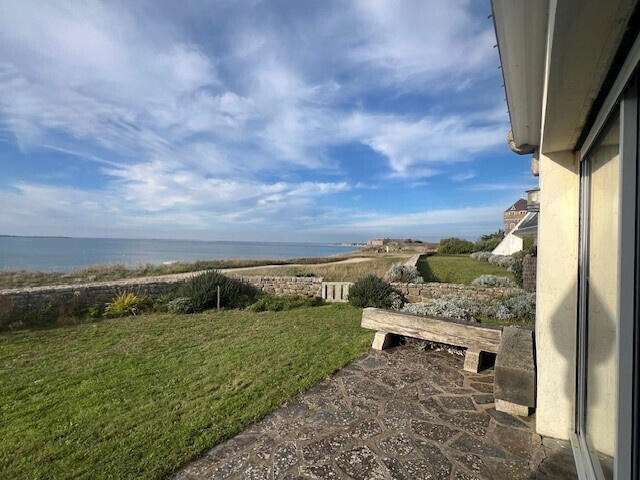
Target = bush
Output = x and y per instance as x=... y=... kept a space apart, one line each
x=482 y=256
x=503 y=261
x=125 y=304
x=519 y=307
x=487 y=245
x=492 y=281
x=94 y=311
x=455 y=245
x=202 y=290
x=161 y=303
x=372 y=291
x=522 y=306
x=516 y=267
x=277 y=304
x=180 y=305
x=447 y=306
x=403 y=273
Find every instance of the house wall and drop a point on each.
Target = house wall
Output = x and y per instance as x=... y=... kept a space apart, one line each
x=557 y=294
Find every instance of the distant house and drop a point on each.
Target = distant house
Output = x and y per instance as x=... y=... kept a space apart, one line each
x=378 y=242
x=514 y=214
x=520 y=221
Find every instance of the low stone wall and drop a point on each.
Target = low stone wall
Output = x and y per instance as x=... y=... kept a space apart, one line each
x=68 y=300
x=305 y=286
x=421 y=292
x=529 y=266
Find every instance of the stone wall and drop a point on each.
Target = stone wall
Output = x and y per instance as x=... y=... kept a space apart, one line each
x=305 y=286
x=529 y=266
x=67 y=300
x=421 y=292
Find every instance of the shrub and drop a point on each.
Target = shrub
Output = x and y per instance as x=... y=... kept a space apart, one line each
x=447 y=306
x=372 y=291
x=482 y=256
x=516 y=267
x=503 y=261
x=94 y=311
x=403 y=273
x=202 y=290
x=396 y=301
x=268 y=303
x=488 y=244
x=522 y=305
x=180 y=305
x=455 y=245
x=126 y=304
x=493 y=281
x=518 y=307
x=527 y=245
x=161 y=303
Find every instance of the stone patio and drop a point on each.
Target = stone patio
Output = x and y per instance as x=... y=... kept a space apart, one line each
x=406 y=413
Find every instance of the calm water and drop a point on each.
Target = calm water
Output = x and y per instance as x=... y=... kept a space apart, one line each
x=63 y=254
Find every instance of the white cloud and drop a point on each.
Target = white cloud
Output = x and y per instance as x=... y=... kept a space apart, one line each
x=239 y=126
x=489 y=187
x=462 y=176
x=422 y=41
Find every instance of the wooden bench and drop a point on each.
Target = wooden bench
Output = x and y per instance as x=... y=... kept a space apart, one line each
x=475 y=338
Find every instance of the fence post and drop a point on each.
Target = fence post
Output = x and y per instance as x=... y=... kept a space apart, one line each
x=218 y=300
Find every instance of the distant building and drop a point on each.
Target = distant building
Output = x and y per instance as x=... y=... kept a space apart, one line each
x=514 y=214
x=378 y=242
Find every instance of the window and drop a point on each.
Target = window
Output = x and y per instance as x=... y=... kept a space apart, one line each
x=605 y=426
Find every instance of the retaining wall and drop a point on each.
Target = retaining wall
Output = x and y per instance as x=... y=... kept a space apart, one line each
x=529 y=266
x=68 y=300
x=421 y=292
x=305 y=286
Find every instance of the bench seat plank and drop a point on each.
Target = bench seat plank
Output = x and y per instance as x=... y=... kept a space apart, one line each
x=468 y=335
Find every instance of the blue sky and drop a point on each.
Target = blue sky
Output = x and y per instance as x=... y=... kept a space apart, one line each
x=253 y=120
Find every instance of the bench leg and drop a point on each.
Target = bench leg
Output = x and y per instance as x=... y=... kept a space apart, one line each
x=382 y=340
x=512 y=408
x=472 y=360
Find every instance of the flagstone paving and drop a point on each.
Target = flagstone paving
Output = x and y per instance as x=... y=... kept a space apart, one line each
x=402 y=414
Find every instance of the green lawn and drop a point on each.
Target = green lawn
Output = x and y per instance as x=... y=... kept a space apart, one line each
x=457 y=269
x=137 y=397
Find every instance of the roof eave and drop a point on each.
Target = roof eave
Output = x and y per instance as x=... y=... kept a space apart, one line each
x=521 y=31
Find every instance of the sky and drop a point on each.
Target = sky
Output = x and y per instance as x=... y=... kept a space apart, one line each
x=331 y=121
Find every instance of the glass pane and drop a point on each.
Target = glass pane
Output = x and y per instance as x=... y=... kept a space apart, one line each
x=602 y=289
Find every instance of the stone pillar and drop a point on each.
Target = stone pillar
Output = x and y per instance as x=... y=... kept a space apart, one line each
x=529 y=267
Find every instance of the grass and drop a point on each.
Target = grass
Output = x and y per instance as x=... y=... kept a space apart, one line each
x=137 y=397
x=459 y=269
x=104 y=273
x=342 y=272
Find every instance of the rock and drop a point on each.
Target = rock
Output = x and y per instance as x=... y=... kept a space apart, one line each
x=515 y=377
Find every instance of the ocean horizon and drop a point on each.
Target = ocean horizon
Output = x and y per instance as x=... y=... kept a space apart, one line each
x=44 y=253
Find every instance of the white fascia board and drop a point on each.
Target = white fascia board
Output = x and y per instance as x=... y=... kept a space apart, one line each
x=521 y=32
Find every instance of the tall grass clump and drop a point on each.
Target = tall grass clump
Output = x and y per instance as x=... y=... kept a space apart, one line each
x=372 y=291
x=127 y=303
x=203 y=290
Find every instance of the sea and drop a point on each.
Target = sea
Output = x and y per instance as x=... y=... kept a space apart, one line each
x=62 y=254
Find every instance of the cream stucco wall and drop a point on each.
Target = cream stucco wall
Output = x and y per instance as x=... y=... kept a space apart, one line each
x=557 y=293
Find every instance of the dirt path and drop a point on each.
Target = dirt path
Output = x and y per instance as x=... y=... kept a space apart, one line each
x=348 y=260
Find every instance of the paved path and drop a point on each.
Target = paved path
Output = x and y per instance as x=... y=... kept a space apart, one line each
x=348 y=260
x=405 y=414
